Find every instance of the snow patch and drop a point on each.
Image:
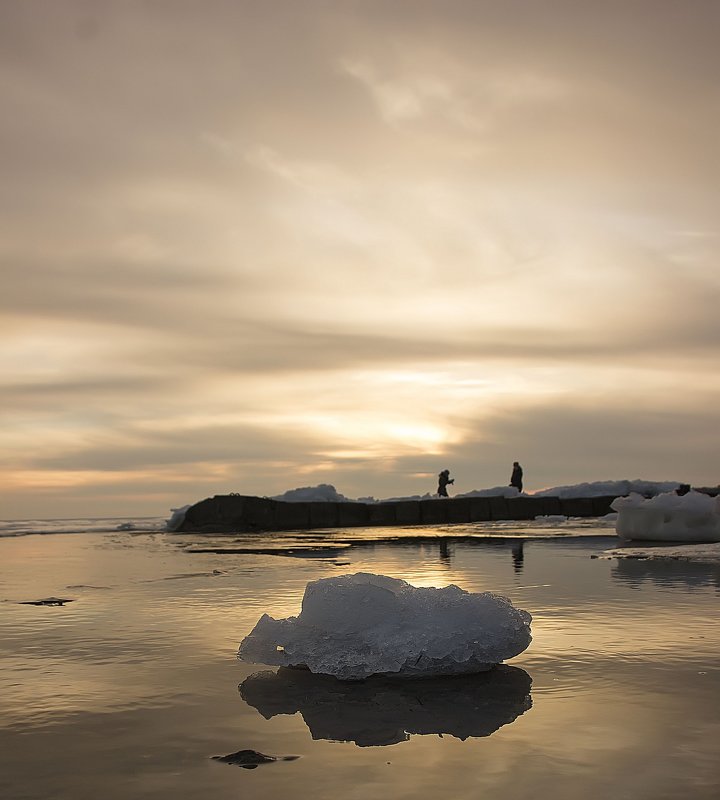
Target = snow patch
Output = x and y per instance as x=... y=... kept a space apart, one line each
x=608 y=488
x=684 y=552
x=495 y=491
x=323 y=493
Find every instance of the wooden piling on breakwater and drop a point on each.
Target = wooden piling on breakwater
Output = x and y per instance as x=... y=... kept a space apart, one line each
x=241 y=513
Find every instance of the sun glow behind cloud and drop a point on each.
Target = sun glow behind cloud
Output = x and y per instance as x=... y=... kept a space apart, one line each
x=354 y=241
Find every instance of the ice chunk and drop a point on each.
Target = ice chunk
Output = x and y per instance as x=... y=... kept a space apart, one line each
x=177 y=518
x=637 y=558
x=354 y=626
x=668 y=517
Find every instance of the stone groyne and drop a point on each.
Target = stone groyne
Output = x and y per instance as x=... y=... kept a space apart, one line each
x=239 y=513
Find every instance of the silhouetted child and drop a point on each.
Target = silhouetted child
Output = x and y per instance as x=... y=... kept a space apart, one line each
x=443 y=480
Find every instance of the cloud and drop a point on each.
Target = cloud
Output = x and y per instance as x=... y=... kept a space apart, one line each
x=306 y=228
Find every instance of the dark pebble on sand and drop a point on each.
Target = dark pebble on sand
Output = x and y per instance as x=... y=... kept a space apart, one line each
x=47 y=601
x=250 y=759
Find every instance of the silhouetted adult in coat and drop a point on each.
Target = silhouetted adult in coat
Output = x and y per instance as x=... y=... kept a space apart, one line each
x=517 y=476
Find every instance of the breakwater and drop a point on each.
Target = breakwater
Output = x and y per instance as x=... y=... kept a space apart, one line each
x=240 y=513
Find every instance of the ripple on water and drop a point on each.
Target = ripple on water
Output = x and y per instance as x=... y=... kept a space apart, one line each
x=624 y=668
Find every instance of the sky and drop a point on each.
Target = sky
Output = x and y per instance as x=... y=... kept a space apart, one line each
x=250 y=246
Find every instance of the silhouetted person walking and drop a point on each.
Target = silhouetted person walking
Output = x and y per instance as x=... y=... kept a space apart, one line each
x=517 y=476
x=443 y=480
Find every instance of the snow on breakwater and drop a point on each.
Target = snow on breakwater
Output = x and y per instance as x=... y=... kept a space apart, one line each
x=326 y=493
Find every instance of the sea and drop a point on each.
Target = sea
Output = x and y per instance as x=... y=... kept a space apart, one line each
x=127 y=684
x=48 y=527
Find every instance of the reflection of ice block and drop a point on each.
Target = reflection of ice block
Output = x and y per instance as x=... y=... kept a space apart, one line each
x=381 y=711
x=693 y=517
x=358 y=625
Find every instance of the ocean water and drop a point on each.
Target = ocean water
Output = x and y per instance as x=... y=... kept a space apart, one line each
x=47 y=527
x=131 y=687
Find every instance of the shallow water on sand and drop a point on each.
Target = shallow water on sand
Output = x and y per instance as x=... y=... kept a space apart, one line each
x=129 y=690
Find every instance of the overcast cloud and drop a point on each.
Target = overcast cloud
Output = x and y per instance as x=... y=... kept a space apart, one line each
x=248 y=246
